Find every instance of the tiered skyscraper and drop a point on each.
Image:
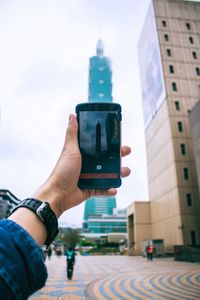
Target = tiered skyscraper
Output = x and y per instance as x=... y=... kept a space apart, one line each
x=100 y=90
x=100 y=76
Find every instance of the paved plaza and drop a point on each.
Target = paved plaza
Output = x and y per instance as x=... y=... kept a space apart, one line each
x=121 y=277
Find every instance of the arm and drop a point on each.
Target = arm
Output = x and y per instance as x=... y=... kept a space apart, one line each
x=60 y=190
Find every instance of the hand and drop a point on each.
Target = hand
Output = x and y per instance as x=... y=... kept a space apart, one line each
x=61 y=188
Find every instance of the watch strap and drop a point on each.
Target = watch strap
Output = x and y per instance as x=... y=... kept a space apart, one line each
x=45 y=214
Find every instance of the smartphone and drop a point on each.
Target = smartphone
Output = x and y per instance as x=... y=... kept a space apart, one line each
x=99 y=137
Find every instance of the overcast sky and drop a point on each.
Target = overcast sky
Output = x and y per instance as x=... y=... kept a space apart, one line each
x=44 y=57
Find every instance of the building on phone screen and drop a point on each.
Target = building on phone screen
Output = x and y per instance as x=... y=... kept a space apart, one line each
x=169 y=61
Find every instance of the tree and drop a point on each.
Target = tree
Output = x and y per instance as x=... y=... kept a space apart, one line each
x=70 y=236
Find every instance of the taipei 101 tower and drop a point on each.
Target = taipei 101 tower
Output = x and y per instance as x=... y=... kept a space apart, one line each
x=100 y=76
x=100 y=90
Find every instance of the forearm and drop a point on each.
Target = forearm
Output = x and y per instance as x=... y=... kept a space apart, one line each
x=29 y=221
x=22 y=268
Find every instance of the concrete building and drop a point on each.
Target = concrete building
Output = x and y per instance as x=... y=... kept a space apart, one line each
x=95 y=207
x=194 y=118
x=7 y=202
x=104 y=223
x=99 y=205
x=107 y=227
x=169 y=53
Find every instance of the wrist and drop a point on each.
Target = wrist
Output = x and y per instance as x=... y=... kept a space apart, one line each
x=52 y=196
x=44 y=213
x=31 y=223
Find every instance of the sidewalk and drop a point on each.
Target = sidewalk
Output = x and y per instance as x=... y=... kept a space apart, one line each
x=121 y=277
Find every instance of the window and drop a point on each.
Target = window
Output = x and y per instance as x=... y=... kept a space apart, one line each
x=180 y=126
x=101 y=68
x=194 y=54
x=198 y=71
x=101 y=95
x=177 y=105
x=171 y=69
x=166 y=37
x=186 y=173
x=164 y=23
x=193 y=237
x=188 y=26
x=183 y=149
x=174 y=86
x=169 y=52
x=191 y=40
x=101 y=81
x=189 y=199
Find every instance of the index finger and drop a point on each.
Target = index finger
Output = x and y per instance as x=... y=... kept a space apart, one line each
x=125 y=150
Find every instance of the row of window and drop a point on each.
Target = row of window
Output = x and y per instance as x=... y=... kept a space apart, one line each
x=172 y=71
x=183 y=151
x=190 y=38
x=179 y=123
x=187 y=25
x=169 y=53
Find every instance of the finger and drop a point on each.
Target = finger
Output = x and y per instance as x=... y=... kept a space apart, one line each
x=71 y=141
x=109 y=192
x=125 y=172
x=125 y=150
x=102 y=192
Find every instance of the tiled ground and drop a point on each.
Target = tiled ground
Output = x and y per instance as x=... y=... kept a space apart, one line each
x=121 y=277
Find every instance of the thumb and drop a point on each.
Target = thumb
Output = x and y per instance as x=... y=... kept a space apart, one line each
x=71 y=140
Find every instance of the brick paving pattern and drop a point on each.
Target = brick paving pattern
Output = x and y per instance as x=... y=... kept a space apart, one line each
x=121 y=277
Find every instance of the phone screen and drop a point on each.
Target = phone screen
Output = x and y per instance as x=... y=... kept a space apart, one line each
x=99 y=142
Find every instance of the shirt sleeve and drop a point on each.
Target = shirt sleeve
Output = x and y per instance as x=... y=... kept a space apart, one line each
x=22 y=268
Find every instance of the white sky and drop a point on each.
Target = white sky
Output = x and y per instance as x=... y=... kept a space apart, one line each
x=44 y=57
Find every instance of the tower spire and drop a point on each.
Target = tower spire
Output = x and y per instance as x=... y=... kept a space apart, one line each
x=100 y=48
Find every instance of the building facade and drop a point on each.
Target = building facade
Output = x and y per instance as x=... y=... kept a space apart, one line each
x=169 y=58
x=194 y=118
x=99 y=206
x=105 y=224
x=7 y=202
x=104 y=227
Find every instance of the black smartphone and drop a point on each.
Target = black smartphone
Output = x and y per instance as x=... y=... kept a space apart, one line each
x=99 y=137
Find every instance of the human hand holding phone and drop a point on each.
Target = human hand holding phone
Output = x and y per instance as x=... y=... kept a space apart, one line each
x=61 y=188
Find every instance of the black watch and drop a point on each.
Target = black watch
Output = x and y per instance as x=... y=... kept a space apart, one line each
x=46 y=215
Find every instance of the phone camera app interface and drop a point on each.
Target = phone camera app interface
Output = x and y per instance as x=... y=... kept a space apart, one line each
x=99 y=143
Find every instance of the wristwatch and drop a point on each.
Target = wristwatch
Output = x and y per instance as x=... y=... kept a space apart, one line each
x=45 y=214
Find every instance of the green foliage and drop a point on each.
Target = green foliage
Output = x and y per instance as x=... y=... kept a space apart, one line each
x=86 y=243
x=102 y=250
x=70 y=236
x=101 y=247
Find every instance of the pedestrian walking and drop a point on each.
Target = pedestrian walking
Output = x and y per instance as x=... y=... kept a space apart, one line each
x=49 y=252
x=149 y=251
x=70 y=259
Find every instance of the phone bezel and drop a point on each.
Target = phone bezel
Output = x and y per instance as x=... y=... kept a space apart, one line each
x=100 y=183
